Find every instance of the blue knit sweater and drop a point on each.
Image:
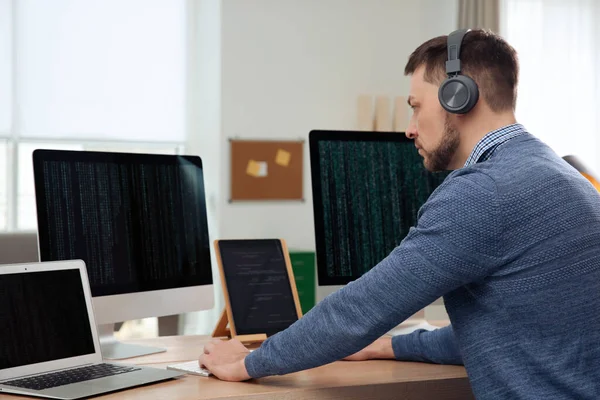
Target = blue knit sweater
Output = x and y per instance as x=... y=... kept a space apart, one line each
x=513 y=245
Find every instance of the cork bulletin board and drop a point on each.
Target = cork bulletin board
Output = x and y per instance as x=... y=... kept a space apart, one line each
x=266 y=170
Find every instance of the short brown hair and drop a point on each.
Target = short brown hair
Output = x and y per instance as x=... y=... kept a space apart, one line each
x=485 y=57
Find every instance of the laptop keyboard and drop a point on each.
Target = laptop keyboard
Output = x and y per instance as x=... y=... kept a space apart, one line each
x=61 y=378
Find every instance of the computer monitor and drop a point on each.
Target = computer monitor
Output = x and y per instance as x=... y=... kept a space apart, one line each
x=138 y=221
x=367 y=188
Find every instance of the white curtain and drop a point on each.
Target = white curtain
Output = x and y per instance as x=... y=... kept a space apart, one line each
x=110 y=69
x=559 y=89
x=479 y=14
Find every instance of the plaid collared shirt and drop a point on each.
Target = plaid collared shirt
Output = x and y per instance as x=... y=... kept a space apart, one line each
x=490 y=142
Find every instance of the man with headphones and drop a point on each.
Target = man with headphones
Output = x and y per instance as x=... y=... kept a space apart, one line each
x=510 y=240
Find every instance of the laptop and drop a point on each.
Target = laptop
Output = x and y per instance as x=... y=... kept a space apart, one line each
x=48 y=341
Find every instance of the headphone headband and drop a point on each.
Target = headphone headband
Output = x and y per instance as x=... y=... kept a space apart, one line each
x=454 y=41
x=458 y=93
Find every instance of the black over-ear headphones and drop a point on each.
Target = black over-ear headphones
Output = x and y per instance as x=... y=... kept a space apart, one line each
x=458 y=93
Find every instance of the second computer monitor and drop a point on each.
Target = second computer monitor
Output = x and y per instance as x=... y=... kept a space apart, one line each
x=139 y=222
x=367 y=189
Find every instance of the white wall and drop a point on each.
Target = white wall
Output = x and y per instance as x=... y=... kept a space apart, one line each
x=289 y=66
x=203 y=125
x=276 y=69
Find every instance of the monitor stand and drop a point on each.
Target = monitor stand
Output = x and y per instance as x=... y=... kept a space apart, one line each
x=112 y=349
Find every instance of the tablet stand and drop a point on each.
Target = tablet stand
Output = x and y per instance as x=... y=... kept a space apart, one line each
x=221 y=330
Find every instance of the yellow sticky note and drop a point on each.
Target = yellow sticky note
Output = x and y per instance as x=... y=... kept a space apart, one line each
x=283 y=157
x=257 y=169
x=253 y=168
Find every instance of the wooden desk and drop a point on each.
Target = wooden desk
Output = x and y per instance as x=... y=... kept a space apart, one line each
x=381 y=379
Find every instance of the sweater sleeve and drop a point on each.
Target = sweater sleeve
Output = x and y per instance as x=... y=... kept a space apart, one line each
x=456 y=241
x=438 y=346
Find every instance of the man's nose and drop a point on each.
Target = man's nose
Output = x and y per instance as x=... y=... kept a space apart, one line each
x=411 y=130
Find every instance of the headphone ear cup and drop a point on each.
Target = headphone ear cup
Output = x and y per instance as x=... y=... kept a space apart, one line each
x=458 y=94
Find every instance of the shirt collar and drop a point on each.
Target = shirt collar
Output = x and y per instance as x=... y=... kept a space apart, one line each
x=486 y=146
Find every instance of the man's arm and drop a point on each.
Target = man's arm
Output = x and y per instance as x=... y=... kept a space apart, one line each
x=438 y=346
x=457 y=241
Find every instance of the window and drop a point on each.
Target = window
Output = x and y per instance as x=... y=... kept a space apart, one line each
x=86 y=75
x=559 y=89
x=3 y=185
x=5 y=67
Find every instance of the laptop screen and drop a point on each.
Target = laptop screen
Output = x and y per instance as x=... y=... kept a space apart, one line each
x=43 y=317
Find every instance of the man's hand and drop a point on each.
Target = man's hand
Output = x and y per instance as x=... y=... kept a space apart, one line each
x=379 y=349
x=225 y=359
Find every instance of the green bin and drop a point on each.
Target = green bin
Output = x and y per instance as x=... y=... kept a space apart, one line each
x=303 y=264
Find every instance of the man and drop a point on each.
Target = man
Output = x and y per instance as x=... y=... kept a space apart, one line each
x=511 y=239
